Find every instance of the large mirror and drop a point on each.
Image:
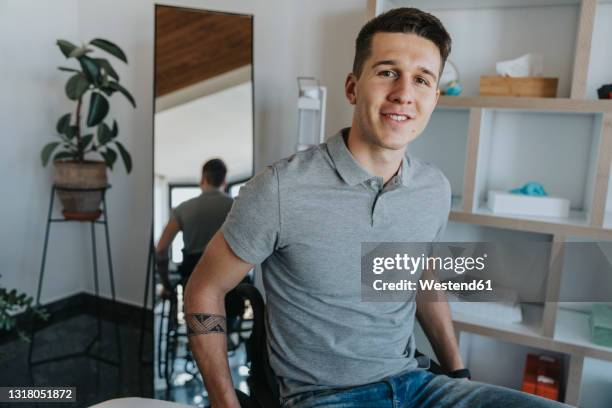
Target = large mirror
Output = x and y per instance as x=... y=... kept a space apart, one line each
x=203 y=115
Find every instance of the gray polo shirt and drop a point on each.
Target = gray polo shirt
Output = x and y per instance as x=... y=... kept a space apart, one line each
x=201 y=217
x=304 y=219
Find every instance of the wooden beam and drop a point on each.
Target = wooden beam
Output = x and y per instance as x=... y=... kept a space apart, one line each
x=582 y=53
x=574 y=380
x=471 y=159
x=604 y=157
x=371 y=9
x=553 y=285
x=532 y=225
x=527 y=104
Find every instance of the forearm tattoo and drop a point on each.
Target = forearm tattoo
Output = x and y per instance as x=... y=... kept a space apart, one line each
x=203 y=323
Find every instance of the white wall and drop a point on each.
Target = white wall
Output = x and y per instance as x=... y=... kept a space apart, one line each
x=216 y=125
x=31 y=102
x=291 y=38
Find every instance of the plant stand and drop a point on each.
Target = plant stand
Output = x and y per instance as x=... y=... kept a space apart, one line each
x=87 y=351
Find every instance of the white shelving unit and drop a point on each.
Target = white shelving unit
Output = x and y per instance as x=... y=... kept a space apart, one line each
x=565 y=143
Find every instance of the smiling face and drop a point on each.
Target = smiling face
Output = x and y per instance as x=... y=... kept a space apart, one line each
x=396 y=91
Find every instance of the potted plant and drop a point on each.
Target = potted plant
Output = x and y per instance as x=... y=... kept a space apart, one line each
x=80 y=180
x=12 y=303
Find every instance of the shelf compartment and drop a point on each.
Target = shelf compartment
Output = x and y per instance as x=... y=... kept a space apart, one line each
x=573 y=332
x=586 y=274
x=558 y=150
x=515 y=29
x=596 y=384
x=526 y=333
x=480 y=353
x=443 y=143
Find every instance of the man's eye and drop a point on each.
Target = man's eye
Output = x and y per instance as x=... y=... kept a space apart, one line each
x=422 y=81
x=387 y=74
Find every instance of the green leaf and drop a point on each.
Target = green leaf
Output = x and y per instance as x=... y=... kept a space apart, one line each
x=109 y=47
x=107 y=90
x=76 y=86
x=63 y=123
x=68 y=69
x=64 y=155
x=71 y=132
x=85 y=140
x=110 y=156
x=115 y=129
x=98 y=108
x=90 y=69
x=127 y=159
x=107 y=67
x=105 y=135
x=46 y=152
x=80 y=51
x=66 y=47
x=116 y=86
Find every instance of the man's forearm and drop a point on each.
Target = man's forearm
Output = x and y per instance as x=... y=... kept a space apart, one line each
x=161 y=263
x=217 y=272
x=435 y=318
x=207 y=339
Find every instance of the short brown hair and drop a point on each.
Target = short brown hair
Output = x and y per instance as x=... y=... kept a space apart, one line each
x=401 y=20
x=214 y=172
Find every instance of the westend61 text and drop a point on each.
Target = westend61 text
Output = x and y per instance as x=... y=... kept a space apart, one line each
x=431 y=284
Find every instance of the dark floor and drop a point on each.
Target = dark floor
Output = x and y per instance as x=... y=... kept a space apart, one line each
x=70 y=331
x=119 y=372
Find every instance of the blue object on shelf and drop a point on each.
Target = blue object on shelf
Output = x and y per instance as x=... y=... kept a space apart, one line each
x=454 y=88
x=531 y=189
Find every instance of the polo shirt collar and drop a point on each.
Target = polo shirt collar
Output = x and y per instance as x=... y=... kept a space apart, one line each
x=348 y=168
x=404 y=173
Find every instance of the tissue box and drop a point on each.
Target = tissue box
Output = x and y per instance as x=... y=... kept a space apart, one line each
x=601 y=325
x=503 y=202
x=535 y=87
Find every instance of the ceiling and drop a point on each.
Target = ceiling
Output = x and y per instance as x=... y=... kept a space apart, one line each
x=192 y=46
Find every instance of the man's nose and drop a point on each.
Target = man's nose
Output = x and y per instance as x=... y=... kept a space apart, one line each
x=403 y=91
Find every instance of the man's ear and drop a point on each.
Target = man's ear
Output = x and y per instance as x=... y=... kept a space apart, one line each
x=349 y=88
x=437 y=95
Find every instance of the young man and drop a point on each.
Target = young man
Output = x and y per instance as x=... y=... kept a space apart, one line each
x=304 y=219
x=198 y=218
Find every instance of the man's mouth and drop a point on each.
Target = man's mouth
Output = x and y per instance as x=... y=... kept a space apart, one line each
x=397 y=117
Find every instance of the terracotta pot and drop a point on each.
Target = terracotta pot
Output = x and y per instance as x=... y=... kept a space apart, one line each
x=72 y=176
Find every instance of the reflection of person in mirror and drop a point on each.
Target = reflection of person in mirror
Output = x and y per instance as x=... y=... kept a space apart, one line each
x=198 y=219
x=304 y=219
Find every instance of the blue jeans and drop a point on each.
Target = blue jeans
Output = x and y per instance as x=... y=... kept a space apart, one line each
x=420 y=389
